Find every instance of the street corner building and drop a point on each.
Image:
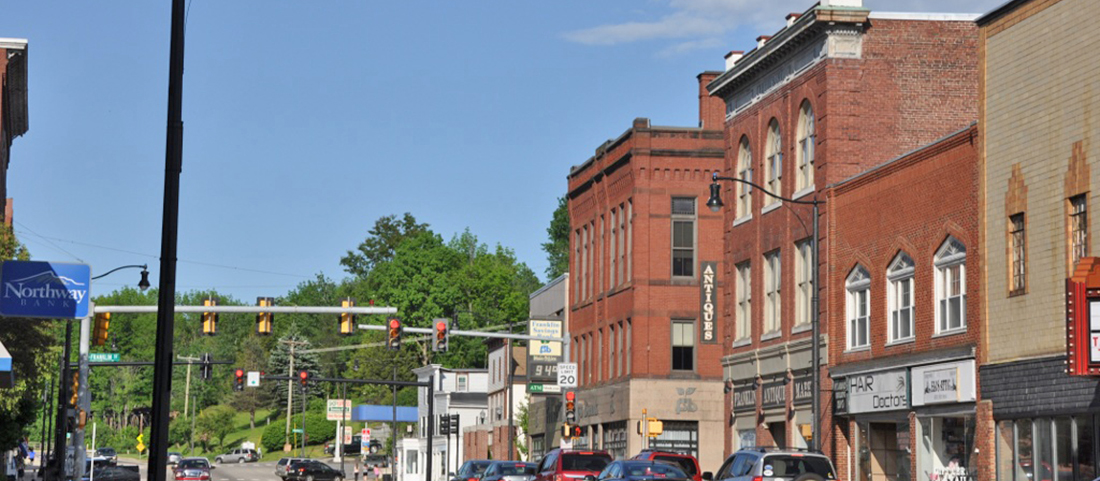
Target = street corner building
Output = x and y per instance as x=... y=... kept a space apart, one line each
x=839 y=91
x=645 y=271
x=1039 y=146
x=13 y=107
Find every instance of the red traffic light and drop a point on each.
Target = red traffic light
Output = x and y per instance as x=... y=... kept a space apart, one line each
x=303 y=375
x=240 y=373
x=441 y=326
x=394 y=323
x=570 y=395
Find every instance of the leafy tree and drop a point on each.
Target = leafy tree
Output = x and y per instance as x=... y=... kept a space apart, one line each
x=388 y=232
x=251 y=357
x=213 y=424
x=279 y=363
x=557 y=245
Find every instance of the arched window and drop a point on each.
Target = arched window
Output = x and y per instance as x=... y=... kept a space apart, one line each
x=899 y=300
x=744 y=171
x=950 y=286
x=858 y=307
x=773 y=162
x=807 y=137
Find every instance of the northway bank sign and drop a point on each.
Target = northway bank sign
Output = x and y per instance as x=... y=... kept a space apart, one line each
x=44 y=289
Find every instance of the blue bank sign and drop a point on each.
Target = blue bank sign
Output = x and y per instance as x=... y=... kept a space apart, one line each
x=44 y=289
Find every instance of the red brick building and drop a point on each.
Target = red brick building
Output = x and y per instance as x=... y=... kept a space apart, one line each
x=13 y=106
x=644 y=272
x=904 y=317
x=838 y=91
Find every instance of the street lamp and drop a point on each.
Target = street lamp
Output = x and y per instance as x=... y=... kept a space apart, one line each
x=143 y=284
x=715 y=204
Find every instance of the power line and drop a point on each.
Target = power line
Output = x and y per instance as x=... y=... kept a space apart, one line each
x=49 y=242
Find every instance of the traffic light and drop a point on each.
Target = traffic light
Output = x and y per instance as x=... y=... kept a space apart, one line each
x=206 y=370
x=442 y=335
x=76 y=390
x=347 y=319
x=99 y=331
x=209 y=319
x=393 y=342
x=264 y=319
x=238 y=383
x=444 y=425
x=303 y=377
x=570 y=407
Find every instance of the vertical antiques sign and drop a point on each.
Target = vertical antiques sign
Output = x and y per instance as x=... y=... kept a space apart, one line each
x=708 y=309
x=1083 y=319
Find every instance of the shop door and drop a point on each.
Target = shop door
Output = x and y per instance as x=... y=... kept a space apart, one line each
x=882 y=456
x=779 y=434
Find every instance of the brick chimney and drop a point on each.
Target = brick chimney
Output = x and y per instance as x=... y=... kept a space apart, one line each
x=712 y=110
x=792 y=17
x=761 y=40
x=842 y=3
x=733 y=57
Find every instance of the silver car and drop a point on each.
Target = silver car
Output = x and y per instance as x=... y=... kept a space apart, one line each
x=238 y=456
x=174 y=458
x=509 y=471
x=771 y=464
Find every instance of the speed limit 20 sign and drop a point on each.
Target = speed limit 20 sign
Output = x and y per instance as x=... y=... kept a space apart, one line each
x=567 y=374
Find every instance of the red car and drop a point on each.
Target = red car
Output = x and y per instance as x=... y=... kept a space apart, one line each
x=192 y=469
x=686 y=462
x=571 y=465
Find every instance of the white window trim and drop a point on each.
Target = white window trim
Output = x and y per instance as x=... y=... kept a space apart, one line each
x=942 y=263
x=744 y=303
x=803 y=275
x=803 y=193
x=773 y=307
x=744 y=191
x=741 y=220
x=852 y=288
x=770 y=207
x=773 y=147
x=805 y=118
x=893 y=277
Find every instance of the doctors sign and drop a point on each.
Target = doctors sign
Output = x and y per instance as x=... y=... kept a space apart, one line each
x=878 y=391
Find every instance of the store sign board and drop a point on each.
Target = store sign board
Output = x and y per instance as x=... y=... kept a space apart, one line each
x=708 y=303
x=744 y=398
x=878 y=391
x=951 y=382
x=1083 y=319
x=55 y=290
x=803 y=390
x=545 y=351
x=840 y=397
x=773 y=395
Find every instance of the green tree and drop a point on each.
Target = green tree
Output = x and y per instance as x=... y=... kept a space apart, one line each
x=557 y=244
x=388 y=232
x=279 y=364
x=251 y=357
x=213 y=424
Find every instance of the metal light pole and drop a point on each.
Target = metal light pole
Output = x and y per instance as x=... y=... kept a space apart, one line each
x=166 y=301
x=715 y=204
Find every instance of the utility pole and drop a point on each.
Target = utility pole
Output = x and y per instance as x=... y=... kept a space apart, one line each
x=511 y=403
x=187 y=385
x=287 y=447
x=194 y=407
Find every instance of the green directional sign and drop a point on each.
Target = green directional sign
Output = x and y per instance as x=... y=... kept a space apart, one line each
x=296 y=431
x=103 y=357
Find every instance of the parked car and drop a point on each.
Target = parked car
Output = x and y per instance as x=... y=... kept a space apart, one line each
x=313 y=470
x=108 y=453
x=559 y=464
x=509 y=471
x=471 y=470
x=640 y=470
x=685 y=462
x=174 y=458
x=192 y=469
x=746 y=464
x=283 y=464
x=238 y=456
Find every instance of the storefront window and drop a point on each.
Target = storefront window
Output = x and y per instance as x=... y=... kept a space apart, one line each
x=614 y=439
x=678 y=437
x=1063 y=449
x=1044 y=467
x=1086 y=445
x=1024 y=449
x=946 y=444
x=1006 y=450
x=747 y=438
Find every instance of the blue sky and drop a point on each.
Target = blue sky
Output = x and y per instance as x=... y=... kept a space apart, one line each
x=307 y=121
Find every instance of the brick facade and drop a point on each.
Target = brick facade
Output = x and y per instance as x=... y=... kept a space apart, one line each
x=624 y=296
x=878 y=86
x=13 y=107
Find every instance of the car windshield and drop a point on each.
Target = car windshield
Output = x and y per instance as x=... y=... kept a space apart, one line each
x=508 y=469
x=193 y=464
x=584 y=462
x=475 y=468
x=652 y=470
x=793 y=466
x=106 y=451
x=683 y=463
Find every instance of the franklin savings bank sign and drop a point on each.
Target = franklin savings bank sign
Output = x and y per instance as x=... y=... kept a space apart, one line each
x=44 y=289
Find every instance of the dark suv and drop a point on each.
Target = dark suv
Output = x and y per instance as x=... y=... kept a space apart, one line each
x=569 y=464
x=777 y=464
x=686 y=462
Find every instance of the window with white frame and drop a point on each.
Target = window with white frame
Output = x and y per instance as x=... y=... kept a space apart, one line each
x=614 y=246
x=1018 y=253
x=744 y=171
x=899 y=301
x=772 y=301
x=773 y=162
x=1078 y=229
x=805 y=152
x=858 y=307
x=683 y=345
x=744 y=301
x=803 y=301
x=950 y=286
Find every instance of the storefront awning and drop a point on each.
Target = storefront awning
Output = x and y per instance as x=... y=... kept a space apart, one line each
x=7 y=377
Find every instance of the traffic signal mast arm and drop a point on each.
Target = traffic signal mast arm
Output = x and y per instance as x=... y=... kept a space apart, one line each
x=254 y=309
x=431 y=330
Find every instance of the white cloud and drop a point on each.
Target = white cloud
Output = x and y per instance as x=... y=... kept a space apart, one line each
x=694 y=24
